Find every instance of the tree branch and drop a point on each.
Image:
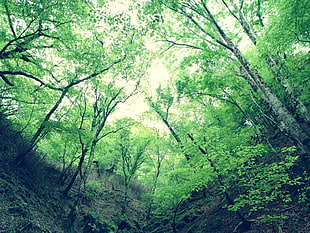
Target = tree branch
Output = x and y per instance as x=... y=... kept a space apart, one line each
x=180 y=44
x=3 y=73
x=113 y=131
x=97 y=73
x=34 y=35
x=208 y=34
x=6 y=80
x=230 y=11
x=9 y=18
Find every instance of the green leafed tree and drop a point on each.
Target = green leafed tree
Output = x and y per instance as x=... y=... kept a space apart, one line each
x=52 y=52
x=214 y=32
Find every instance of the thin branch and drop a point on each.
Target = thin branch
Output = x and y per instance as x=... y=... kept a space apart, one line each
x=260 y=109
x=9 y=18
x=3 y=73
x=28 y=26
x=169 y=47
x=6 y=80
x=20 y=46
x=34 y=35
x=113 y=131
x=241 y=5
x=202 y=38
x=258 y=13
x=181 y=44
x=208 y=34
x=230 y=11
x=300 y=40
x=97 y=73
x=219 y=97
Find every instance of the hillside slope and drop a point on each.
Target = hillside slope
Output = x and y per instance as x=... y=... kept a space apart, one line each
x=32 y=199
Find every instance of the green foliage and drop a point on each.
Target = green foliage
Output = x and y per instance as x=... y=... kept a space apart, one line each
x=132 y=146
x=261 y=183
x=20 y=210
x=94 y=223
x=92 y=189
x=287 y=24
x=67 y=66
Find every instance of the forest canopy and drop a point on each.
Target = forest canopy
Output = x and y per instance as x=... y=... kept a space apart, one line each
x=231 y=120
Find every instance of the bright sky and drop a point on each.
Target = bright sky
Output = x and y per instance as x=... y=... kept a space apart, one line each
x=136 y=105
x=157 y=74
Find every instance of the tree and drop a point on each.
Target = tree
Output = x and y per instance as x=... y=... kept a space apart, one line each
x=85 y=51
x=154 y=161
x=132 y=150
x=105 y=103
x=217 y=146
x=191 y=154
x=29 y=27
x=36 y=137
x=235 y=109
x=211 y=34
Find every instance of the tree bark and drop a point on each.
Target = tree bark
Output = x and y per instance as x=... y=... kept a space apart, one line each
x=285 y=119
x=35 y=139
x=275 y=66
x=79 y=169
x=172 y=131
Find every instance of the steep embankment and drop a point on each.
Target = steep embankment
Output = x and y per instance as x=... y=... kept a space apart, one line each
x=32 y=200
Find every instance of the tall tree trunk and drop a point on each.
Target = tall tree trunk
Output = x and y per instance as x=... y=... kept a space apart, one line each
x=285 y=119
x=278 y=69
x=90 y=160
x=36 y=137
x=78 y=170
x=275 y=65
x=172 y=131
x=244 y=222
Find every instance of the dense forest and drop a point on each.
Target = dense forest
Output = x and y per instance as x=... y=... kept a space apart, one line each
x=182 y=116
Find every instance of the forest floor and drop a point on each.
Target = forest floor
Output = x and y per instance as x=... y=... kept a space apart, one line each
x=32 y=200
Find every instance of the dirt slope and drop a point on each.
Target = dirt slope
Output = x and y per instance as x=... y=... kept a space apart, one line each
x=31 y=199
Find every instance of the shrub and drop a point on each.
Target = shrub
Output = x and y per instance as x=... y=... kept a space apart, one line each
x=94 y=223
